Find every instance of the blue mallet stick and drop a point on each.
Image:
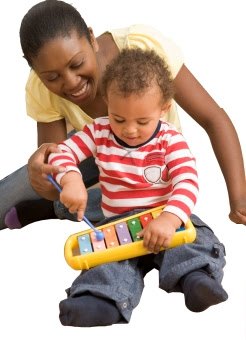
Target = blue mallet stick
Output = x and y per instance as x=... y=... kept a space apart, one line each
x=99 y=234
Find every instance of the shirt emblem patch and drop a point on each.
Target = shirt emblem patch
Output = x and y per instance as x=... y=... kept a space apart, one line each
x=152 y=174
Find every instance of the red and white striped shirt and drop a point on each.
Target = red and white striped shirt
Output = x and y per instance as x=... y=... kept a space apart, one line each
x=162 y=171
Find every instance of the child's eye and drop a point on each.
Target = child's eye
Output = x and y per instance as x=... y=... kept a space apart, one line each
x=118 y=121
x=143 y=123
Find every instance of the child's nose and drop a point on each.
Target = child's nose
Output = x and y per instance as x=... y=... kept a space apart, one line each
x=130 y=129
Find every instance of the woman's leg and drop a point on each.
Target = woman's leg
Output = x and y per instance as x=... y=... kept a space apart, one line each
x=29 y=211
x=14 y=189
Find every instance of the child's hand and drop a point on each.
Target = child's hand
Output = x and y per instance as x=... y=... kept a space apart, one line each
x=74 y=194
x=238 y=211
x=159 y=232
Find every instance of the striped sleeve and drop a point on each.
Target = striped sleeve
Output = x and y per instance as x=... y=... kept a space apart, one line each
x=74 y=150
x=181 y=165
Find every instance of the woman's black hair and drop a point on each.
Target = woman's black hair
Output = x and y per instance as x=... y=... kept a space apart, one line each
x=48 y=20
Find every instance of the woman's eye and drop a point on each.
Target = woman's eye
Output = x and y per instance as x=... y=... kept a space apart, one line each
x=53 y=78
x=77 y=65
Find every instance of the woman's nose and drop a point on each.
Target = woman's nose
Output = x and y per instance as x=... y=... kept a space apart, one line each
x=71 y=81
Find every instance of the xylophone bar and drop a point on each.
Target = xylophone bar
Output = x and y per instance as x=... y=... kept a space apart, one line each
x=84 y=251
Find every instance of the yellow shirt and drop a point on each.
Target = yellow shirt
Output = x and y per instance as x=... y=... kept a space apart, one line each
x=44 y=106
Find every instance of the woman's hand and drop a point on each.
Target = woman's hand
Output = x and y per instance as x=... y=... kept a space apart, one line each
x=38 y=169
x=238 y=211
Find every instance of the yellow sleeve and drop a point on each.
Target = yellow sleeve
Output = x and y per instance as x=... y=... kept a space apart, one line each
x=39 y=101
x=45 y=107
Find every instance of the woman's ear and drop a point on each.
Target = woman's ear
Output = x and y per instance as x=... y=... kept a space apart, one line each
x=93 y=40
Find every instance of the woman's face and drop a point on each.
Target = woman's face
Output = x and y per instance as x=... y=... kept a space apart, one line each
x=68 y=67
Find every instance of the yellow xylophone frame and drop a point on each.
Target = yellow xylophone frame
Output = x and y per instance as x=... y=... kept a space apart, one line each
x=121 y=252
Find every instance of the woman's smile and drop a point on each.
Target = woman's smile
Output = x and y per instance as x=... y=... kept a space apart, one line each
x=81 y=91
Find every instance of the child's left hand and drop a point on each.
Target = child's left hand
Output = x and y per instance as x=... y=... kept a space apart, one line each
x=159 y=232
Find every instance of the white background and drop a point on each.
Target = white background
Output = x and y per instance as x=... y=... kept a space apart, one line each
x=33 y=271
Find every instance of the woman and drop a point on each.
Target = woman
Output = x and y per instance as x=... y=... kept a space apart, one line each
x=65 y=83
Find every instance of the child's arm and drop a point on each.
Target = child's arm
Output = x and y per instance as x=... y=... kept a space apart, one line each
x=182 y=171
x=159 y=232
x=74 y=194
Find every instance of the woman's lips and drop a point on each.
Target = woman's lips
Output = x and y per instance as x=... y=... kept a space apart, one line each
x=80 y=92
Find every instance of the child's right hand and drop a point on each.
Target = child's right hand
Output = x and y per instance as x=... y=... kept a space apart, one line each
x=74 y=194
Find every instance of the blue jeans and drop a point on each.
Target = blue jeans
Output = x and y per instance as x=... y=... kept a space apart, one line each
x=123 y=281
x=93 y=209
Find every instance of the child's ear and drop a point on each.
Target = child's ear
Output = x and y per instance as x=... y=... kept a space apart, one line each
x=165 y=108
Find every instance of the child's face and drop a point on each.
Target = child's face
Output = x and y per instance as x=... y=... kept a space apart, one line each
x=134 y=118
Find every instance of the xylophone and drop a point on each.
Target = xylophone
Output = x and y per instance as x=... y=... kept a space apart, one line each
x=84 y=251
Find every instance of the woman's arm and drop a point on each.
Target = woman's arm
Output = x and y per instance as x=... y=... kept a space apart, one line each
x=52 y=132
x=193 y=98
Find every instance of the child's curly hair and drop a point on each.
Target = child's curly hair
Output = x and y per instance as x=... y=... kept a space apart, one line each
x=135 y=70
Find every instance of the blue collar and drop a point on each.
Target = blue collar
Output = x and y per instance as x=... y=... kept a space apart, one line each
x=138 y=146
